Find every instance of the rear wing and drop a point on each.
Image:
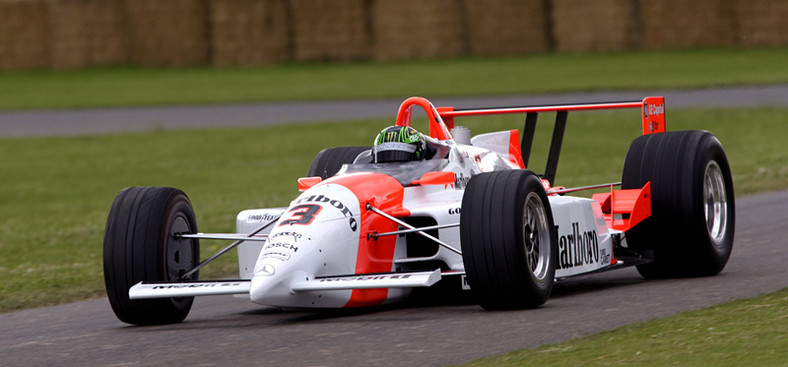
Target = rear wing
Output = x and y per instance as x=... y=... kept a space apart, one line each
x=442 y=121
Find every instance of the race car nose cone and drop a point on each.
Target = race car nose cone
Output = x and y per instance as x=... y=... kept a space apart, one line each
x=266 y=287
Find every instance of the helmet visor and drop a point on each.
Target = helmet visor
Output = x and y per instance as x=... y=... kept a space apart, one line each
x=394 y=152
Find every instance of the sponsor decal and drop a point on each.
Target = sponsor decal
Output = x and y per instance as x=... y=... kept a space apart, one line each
x=460 y=181
x=281 y=245
x=455 y=211
x=262 y=217
x=654 y=109
x=266 y=270
x=276 y=255
x=578 y=248
x=196 y=285
x=323 y=199
x=604 y=256
x=365 y=277
x=296 y=236
x=302 y=214
x=650 y=110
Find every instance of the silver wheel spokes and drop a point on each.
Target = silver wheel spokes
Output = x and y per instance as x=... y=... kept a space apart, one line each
x=536 y=236
x=715 y=202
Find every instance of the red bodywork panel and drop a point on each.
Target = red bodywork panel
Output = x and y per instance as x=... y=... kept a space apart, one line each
x=623 y=209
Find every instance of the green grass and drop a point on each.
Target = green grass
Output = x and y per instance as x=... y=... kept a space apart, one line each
x=748 y=332
x=127 y=86
x=56 y=191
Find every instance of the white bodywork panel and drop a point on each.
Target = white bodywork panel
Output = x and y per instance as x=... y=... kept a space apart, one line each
x=399 y=280
x=296 y=252
x=498 y=143
x=247 y=222
x=584 y=242
x=143 y=290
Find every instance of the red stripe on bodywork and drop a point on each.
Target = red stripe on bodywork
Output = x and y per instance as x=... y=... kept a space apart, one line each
x=515 y=153
x=374 y=255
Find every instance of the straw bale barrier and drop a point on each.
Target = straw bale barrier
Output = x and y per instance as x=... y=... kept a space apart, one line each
x=249 y=32
x=330 y=30
x=600 y=25
x=763 y=22
x=87 y=33
x=64 y=34
x=671 y=24
x=24 y=32
x=168 y=32
x=417 y=29
x=507 y=27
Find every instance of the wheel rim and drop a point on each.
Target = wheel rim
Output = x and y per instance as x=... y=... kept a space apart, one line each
x=715 y=202
x=180 y=252
x=536 y=236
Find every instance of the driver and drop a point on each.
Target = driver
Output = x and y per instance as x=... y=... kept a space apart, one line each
x=399 y=144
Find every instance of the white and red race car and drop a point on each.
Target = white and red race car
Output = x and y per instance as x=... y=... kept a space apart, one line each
x=363 y=233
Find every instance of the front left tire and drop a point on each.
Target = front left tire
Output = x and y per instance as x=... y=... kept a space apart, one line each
x=508 y=238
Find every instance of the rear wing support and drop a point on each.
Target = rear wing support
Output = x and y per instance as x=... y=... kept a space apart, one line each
x=652 y=114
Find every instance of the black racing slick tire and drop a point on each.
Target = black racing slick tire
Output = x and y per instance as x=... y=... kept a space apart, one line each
x=508 y=240
x=330 y=160
x=691 y=227
x=140 y=245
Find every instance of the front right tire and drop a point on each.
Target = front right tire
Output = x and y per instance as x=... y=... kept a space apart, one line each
x=691 y=228
x=330 y=160
x=140 y=245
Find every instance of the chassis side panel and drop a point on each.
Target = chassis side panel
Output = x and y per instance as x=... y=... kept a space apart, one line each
x=584 y=242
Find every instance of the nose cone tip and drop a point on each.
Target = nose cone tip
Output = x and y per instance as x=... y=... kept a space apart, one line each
x=262 y=282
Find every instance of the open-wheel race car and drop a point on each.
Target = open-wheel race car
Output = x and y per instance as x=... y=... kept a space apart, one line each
x=373 y=223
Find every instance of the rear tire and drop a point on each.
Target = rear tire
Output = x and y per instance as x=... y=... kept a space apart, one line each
x=690 y=231
x=139 y=245
x=508 y=240
x=330 y=160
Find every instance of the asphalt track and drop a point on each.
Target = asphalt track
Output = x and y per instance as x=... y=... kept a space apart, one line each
x=112 y=120
x=231 y=331
x=223 y=330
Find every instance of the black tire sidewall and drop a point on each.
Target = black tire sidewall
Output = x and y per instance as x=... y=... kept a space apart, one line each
x=137 y=236
x=675 y=234
x=330 y=160
x=492 y=240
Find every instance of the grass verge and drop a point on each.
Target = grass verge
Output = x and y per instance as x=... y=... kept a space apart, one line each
x=747 y=332
x=541 y=73
x=56 y=191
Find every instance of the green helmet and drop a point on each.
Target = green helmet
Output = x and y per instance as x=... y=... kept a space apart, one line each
x=398 y=144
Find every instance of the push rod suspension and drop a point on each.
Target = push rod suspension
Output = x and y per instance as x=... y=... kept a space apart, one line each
x=405 y=231
x=417 y=230
x=224 y=250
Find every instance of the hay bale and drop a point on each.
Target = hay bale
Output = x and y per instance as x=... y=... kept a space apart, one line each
x=330 y=30
x=506 y=27
x=249 y=32
x=168 y=32
x=416 y=29
x=24 y=35
x=87 y=33
x=683 y=24
x=763 y=23
x=600 y=25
